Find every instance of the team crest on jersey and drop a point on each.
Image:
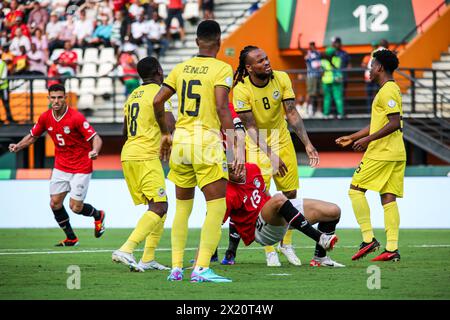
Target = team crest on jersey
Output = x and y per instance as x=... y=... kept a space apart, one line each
x=229 y=81
x=240 y=104
x=276 y=94
x=66 y=130
x=161 y=192
x=85 y=125
x=391 y=103
x=257 y=183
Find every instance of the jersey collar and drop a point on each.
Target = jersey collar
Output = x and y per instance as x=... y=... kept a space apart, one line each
x=57 y=120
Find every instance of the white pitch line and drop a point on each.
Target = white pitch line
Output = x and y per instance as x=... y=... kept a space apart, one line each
x=23 y=252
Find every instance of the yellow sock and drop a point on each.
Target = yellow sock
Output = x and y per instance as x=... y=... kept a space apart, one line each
x=211 y=231
x=287 y=240
x=362 y=213
x=180 y=231
x=269 y=249
x=392 y=225
x=152 y=241
x=144 y=226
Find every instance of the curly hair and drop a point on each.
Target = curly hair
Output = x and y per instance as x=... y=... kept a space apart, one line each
x=387 y=59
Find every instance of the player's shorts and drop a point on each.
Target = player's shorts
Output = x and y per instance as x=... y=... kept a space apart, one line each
x=145 y=180
x=268 y=235
x=380 y=176
x=194 y=165
x=75 y=183
x=288 y=155
x=313 y=86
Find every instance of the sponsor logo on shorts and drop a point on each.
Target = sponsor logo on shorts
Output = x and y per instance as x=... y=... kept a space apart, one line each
x=161 y=192
x=276 y=94
x=257 y=183
x=66 y=130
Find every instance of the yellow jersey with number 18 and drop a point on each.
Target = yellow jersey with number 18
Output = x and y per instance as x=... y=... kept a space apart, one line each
x=194 y=81
x=143 y=133
x=266 y=104
x=391 y=147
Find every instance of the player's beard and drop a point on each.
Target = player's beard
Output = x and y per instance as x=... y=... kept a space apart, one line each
x=263 y=75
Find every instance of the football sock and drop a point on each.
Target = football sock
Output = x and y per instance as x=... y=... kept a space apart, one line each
x=234 y=239
x=211 y=231
x=145 y=225
x=269 y=249
x=362 y=213
x=392 y=224
x=90 y=211
x=62 y=218
x=152 y=241
x=180 y=231
x=287 y=240
x=328 y=227
x=297 y=220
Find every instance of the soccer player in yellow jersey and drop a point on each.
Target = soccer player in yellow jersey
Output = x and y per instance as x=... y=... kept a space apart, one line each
x=142 y=168
x=382 y=167
x=197 y=158
x=263 y=97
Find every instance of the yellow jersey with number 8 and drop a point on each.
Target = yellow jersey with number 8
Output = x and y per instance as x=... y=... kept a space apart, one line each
x=143 y=133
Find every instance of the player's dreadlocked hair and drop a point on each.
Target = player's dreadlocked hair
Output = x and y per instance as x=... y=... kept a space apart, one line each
x=241 y=71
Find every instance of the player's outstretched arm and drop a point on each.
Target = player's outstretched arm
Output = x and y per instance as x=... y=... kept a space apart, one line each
x=296 y=121
x=347 y=140
x=25 y=142
x=97 y=143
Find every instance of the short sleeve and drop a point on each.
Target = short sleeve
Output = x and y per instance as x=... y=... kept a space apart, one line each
x=389 y=101
x=171 y=80
x=84 y=127
x=39 y=127
x=241 y=98
x=288 y=92
x=224 y=77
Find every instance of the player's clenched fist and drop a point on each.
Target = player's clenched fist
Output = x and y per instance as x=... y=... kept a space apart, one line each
x=13 y=147
x=344 y=141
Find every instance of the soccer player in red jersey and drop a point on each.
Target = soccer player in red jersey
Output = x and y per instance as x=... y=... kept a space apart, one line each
x=76 y=145
x=256 y=216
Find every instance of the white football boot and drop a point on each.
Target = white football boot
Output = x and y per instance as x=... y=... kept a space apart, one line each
x=126 y=259
x=325 y=262
x=272 y=259
x=152 y=265
x=289 y=252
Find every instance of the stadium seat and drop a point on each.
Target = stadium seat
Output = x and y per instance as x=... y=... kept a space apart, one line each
x=89 y=70
x=55 y=54
x=73 y=85
x=105 y=68
x=104 y=85
x=79 y=54
x=107 y=55
x=87 y=86
x=91 y=55
x=86 y=101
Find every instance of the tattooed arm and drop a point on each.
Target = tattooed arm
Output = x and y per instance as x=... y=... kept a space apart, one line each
x=295 y=120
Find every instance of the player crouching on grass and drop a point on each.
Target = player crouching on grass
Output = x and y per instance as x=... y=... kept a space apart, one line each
x=76 y=145
x=259 y=217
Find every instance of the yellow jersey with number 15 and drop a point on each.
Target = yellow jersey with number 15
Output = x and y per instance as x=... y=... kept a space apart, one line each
x=194 y=81
x=391 y=147
x=266 y=103
x=143 y=133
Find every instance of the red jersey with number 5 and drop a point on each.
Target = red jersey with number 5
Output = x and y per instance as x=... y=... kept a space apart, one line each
x=71 y=135
x=245 y=201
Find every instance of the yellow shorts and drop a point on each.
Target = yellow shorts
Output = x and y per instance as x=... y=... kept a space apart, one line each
x=288 y=155
x=381 y=176
x=194 y=165
x=145 y=180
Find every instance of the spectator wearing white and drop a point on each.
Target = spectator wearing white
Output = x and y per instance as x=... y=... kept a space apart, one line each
x=91 y=9
x=36 y=61
x=40 y=40
x=105 y=9
x=59 y=7
x=136 y=10
x=156 y=35
x=139 y=31
x=83 y=29
x=53 y=29
x=38 y=17
x=18 y=41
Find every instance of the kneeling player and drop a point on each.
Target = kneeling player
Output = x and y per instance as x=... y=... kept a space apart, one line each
x=257 y=216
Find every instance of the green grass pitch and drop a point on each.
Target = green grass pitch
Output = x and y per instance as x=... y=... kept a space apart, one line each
x=31 y=268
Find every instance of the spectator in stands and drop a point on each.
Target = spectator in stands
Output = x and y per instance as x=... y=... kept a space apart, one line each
x=191 y=11
x=119 y=5
x=121 y=29
x=371 y=86
x=207 y=8
x=53 y=30
x=139 y=31
x=14 y=12
x=345 y=59
x=90 y=7
x=105 y=9
x=332 y=82
x=313 y=79
x=4 y=92
x=36 y=61
x=135 y=10
x=18 y=41
x=175 y=10
x=22 y=26
x=67 y=62
x=37 y=18
x=83 y=30
x=20 y=62
x=102 y=34
x=40 y=40
x=128 y=64
x=8 y=58
x=67 y=32
x=4 y=39
x=59 y=7
x=157 y=35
